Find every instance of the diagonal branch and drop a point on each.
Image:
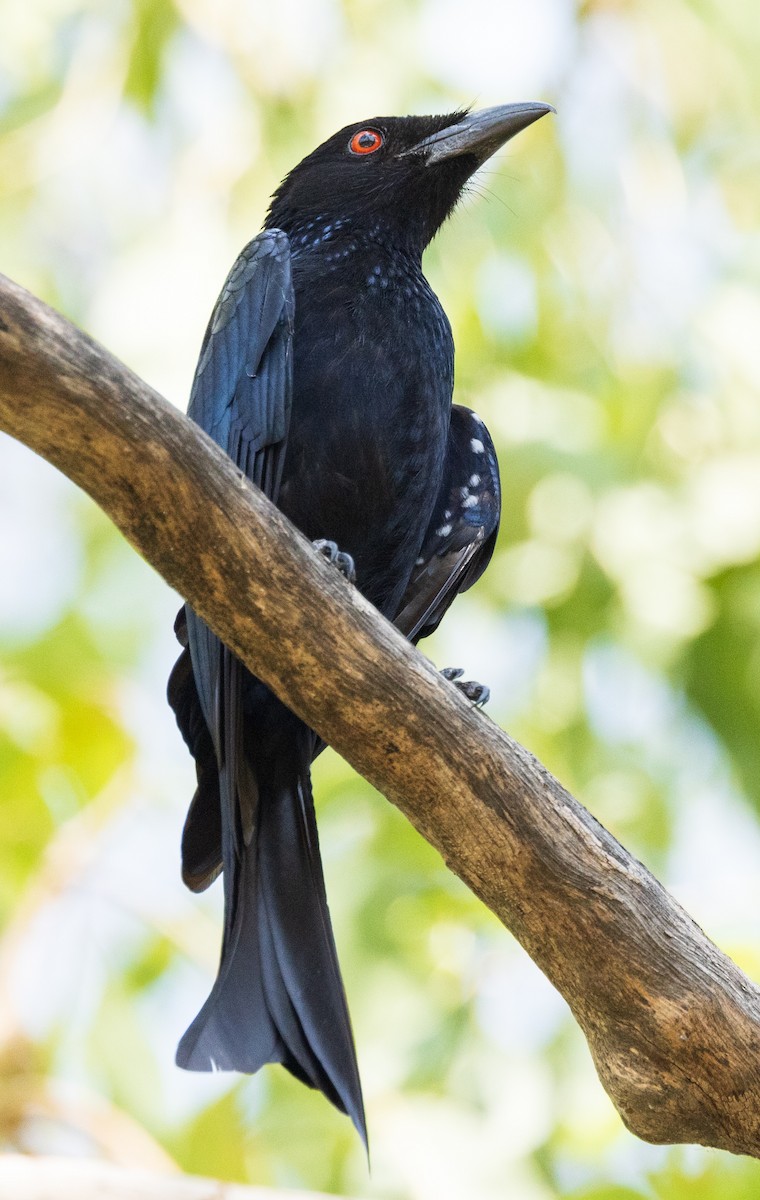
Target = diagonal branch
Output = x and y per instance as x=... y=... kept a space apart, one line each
x=673 y=1025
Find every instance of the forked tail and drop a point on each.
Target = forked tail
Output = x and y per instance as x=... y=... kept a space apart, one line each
x=278 y=996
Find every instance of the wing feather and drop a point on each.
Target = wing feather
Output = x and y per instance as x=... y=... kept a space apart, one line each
x=241 y=396
x=462 y=532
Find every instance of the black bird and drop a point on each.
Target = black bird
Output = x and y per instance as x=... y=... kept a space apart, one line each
x=326 y=373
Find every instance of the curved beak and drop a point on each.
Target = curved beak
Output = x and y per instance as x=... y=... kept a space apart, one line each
x=481 y=133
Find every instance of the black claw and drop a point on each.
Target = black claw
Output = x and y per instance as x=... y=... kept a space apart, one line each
x=478 y=693
x=337 y=558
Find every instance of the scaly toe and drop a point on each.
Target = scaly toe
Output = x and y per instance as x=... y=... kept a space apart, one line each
x=478 y=693
x=337 y=558
x=345 y=565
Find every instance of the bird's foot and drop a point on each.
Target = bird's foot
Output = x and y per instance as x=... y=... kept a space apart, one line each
x=478 y=693
x=338 y=558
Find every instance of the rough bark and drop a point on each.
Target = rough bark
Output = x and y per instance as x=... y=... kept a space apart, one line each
x=673 y=1025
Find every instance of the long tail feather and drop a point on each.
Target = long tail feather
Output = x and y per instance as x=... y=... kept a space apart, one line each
x=279 y=996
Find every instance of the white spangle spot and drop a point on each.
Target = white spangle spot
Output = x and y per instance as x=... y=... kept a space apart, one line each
x=419 y=561
x=474 y=480
x=378 y=270
x=444 y=531
x=371 y=280
x=326 y=230
x=447 y=514
x=470 y=502
x=464 y=492
x=476 y=445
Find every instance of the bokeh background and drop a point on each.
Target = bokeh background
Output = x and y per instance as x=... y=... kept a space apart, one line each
x=602 y=281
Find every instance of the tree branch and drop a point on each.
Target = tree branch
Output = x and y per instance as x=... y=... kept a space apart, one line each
x=672 y=1024
x=86 y=1179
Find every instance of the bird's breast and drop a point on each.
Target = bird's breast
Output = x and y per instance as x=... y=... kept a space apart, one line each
x=373 y=378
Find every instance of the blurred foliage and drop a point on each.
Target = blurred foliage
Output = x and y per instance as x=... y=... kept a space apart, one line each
x=602 y=284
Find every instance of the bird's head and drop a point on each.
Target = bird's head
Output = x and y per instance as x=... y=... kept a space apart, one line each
x=401 y=176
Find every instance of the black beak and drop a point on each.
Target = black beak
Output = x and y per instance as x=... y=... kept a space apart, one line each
x=481 y=133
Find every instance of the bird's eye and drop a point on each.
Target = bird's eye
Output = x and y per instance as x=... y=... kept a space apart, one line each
x=366 y=141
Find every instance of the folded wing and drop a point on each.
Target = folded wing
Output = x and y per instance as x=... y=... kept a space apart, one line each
x=461 y=536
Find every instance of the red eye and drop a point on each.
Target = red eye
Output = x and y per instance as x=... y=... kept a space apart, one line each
x=366 y=141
